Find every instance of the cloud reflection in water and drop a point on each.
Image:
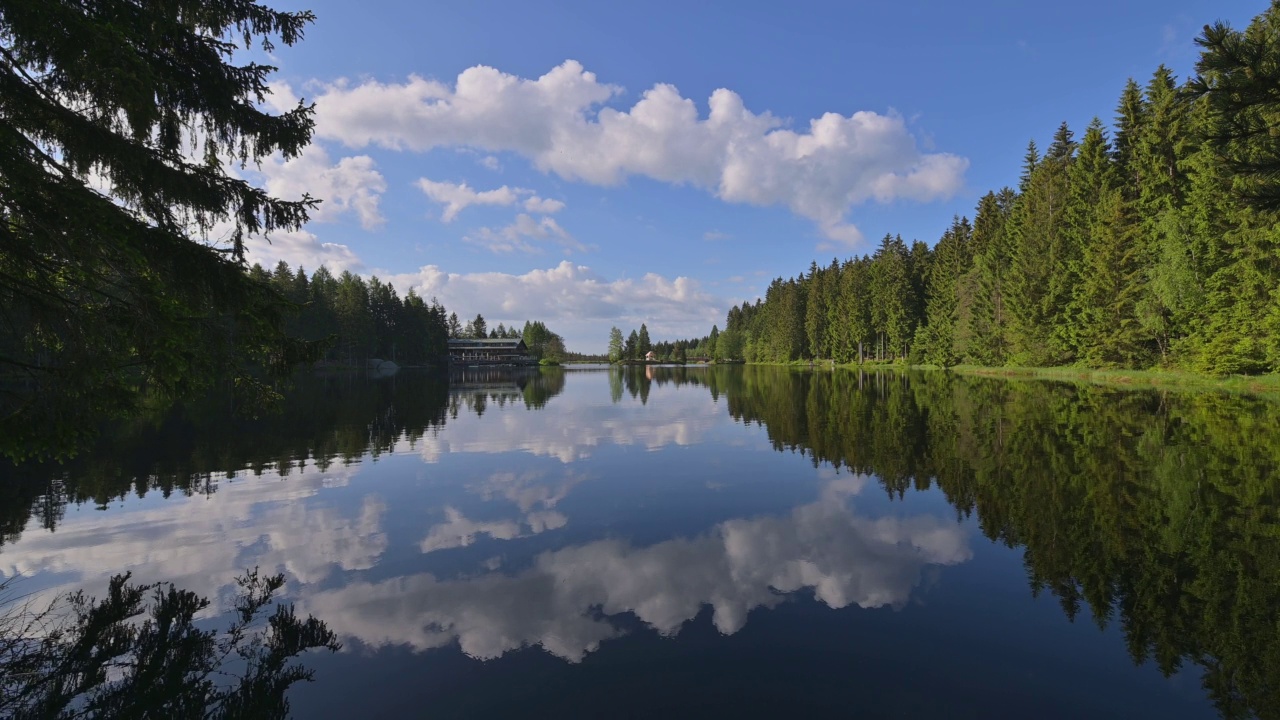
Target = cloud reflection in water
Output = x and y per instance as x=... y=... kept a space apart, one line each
x=563 y=601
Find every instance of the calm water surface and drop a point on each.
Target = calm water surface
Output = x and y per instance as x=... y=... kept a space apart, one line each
x=711 y=541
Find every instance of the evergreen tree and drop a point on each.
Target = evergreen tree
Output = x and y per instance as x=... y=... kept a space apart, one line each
x=478 y=327
x=1030 y=161
x=815 y=319
x=1160 y=155
x=919 y=269
x=1039 y=280
x=643 y=344
x=891 y=299
x=855 y=304
x=1161 y=140
x=1131 y=117
x=1092 y=180
x=542 y=342
x=1108 y=328
x=105 y=294
x=1237 y=75
x=936 y=340
x=355 y=322
x=983 y=306
x=629 y=349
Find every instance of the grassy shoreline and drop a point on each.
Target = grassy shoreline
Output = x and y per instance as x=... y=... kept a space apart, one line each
x=1158 y=379
x=1120 y=378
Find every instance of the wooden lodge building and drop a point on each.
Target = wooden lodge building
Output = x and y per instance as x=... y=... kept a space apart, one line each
x=464 y=352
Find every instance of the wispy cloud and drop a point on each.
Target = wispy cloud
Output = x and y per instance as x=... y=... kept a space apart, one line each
x=457 y=197
x=519 y=236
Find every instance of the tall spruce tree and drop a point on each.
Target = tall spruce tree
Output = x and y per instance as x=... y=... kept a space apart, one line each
x=1092 y=181
x=1163 y=145
x=1040 y=279
x=855 y=308
x=984 y=317
x=891 y=299
x=1238 y=74
x=1107 y=326
x=105 y=294
x=1237 y=81
x=815 y=318
x=1131 y=114
x=629 y=348
x=936 y=340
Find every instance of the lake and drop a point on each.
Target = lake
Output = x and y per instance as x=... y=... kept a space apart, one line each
x=588 y=542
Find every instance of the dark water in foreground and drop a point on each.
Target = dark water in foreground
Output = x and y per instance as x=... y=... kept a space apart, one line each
x=712 y=541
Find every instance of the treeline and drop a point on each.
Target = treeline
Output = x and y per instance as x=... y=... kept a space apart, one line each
x=1152 y=244
x=543 y=344
x=638 y=345
x=368 y=319
x=365 y=318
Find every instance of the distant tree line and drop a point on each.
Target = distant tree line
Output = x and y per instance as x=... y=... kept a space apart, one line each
x=543 y=344
x=638 y=345
x=1154 y=244
x=364 y=318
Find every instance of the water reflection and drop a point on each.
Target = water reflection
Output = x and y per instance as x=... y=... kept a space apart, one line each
x=198 y=541
x=679 y=419
x=558 y=508
x=564 y=601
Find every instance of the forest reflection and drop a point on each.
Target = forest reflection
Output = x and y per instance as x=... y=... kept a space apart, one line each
x=1158 y=512
x=325 y=419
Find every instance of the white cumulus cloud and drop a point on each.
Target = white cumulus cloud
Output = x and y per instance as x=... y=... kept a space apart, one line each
x=561 y=123
x=352 y=185
x=301 y=249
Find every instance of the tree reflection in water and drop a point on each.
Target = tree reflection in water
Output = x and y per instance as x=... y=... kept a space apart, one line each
x=1154 y=511
x=89 y=658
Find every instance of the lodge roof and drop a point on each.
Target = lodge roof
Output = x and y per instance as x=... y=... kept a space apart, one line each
x=489 y=343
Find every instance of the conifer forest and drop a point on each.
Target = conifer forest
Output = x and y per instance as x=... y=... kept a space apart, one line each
x=1148 y=241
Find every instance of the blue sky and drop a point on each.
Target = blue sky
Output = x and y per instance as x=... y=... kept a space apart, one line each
x=592 y=164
